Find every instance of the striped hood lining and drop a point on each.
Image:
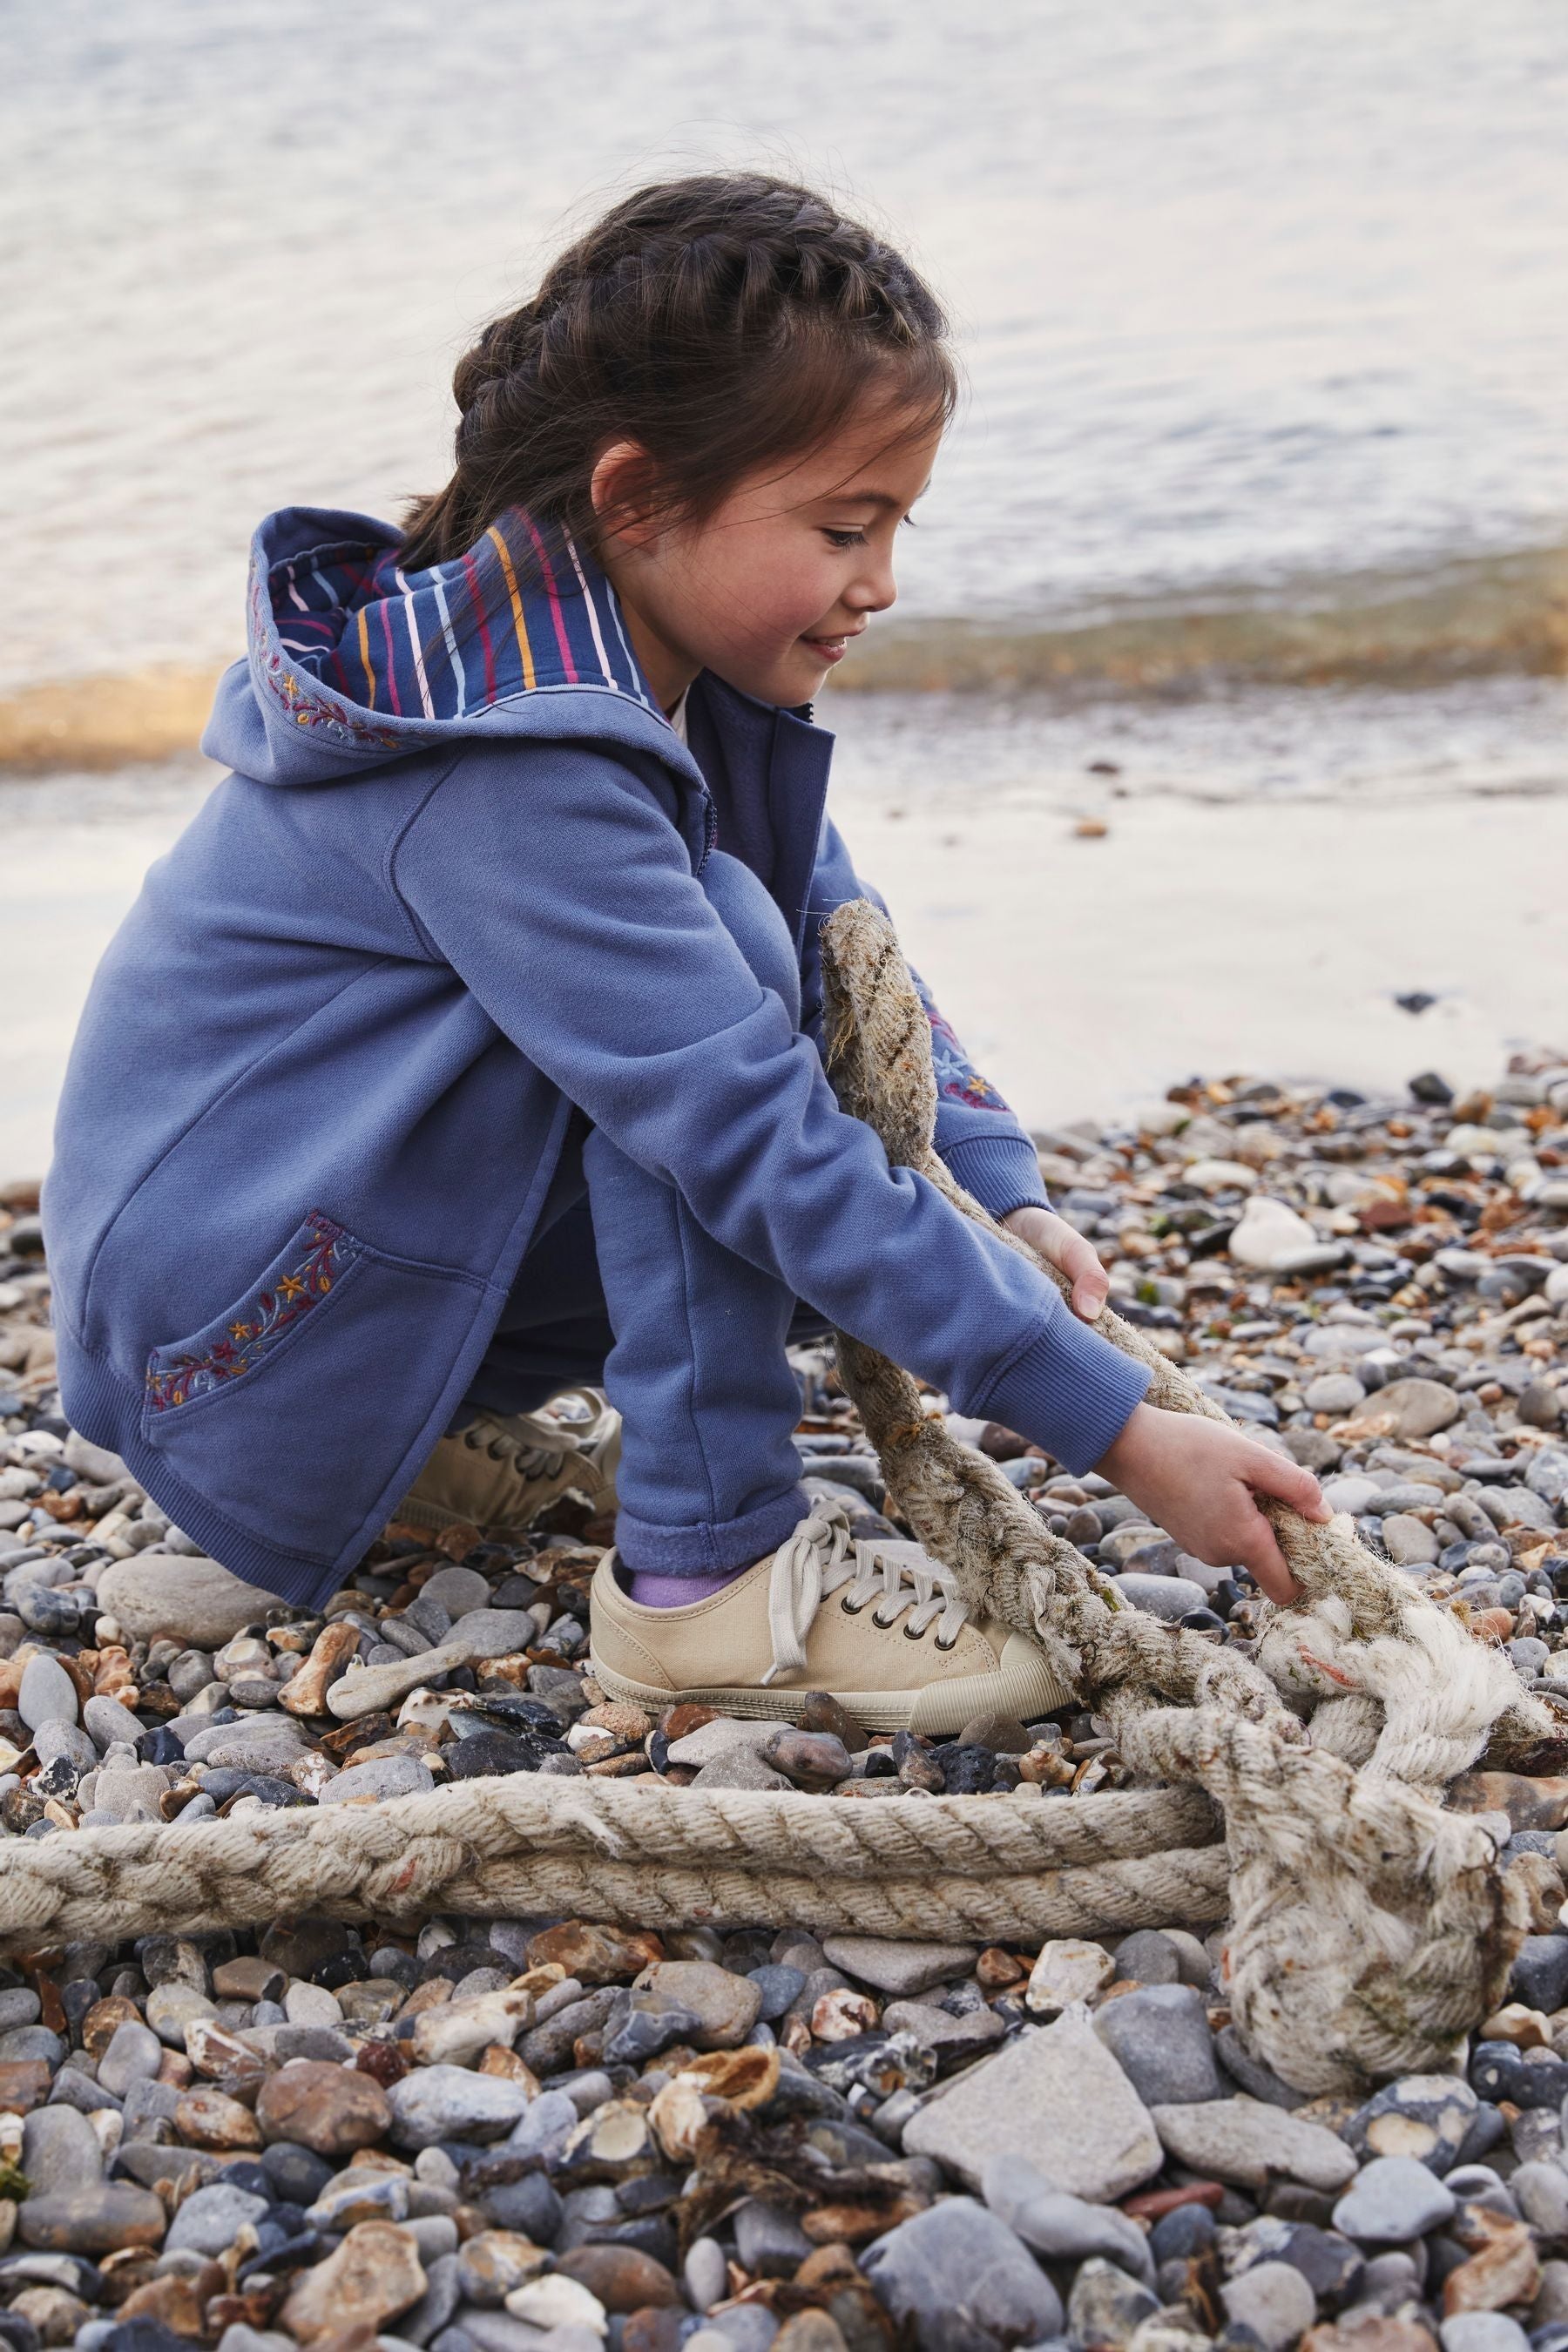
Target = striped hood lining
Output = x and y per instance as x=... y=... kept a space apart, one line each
x=349 y=642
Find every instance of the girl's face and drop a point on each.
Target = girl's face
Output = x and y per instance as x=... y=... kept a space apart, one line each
x=768 y=592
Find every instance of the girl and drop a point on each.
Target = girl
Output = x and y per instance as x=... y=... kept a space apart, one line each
x=466 y=1044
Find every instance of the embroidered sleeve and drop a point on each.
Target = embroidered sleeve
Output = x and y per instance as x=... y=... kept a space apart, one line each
x=957 y=1079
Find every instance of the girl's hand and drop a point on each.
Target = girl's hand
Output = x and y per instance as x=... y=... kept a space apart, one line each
x=1197 y=1479
x=1056 y=1241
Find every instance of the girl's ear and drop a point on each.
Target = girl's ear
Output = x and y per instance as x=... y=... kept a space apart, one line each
x=623 y=492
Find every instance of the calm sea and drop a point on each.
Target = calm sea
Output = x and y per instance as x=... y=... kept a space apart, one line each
x=1259 y=496
x=1265 y=302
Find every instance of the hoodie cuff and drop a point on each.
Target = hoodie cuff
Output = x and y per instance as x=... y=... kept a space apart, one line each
x=1002 y=1171
x=1067 y=1389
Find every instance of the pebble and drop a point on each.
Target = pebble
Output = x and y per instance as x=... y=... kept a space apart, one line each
x=725 y=2005
x=1160 y=2038
x=1273 y=2301
x=106 y=1721
x=440 y=2103
x=332 y=2110
x=1169 y=1598
x=1059 y=2225
x=1417 y=1408
x=187 y=1600
x=957 y=2255
x=1066 y=1970
x=511 y=2141
x=710 y=1740
x=173 y=2009
x=388 y=1776
x=47 y=1693
x=1243 y=2140
x=455 y=1590
x=209 y=2220
x=1333 y=1392
x=1059 y=2088
x=60 y=2150
x=705 y=2273
x=1270 y=1233
x=133 y=2055
x=1392 y=2200
x=1427 y=2117
x=1150 y=1956
x=1482 y=2331
x=375 y=2274
x=93 y=2221
x=812 y=1759
x=900 y=1970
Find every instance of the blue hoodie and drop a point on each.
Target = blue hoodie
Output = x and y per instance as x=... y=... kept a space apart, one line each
x=325 y=1071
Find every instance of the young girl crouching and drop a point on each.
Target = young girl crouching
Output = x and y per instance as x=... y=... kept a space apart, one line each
x=466 y=1046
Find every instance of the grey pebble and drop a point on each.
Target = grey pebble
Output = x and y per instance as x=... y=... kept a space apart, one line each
x=1482 y=2331
x=1274 y=2301
x=1147 y=1958
x=1061 y=2227
x=1160 y=2038
x=385 y=1776
x=705 y=2273
x=61 y=2151
x=107 y=1721
x=134 y=2055
x=1392 y=2200
x=958 y=2254
x=211 y=2218
x=47 y=1693
x=437 y=2103
x=58 y=1738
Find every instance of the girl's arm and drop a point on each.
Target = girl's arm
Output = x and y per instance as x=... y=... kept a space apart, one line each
x=554 y=882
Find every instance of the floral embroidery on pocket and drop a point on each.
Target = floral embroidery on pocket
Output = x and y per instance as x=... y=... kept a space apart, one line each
x=322 y=1252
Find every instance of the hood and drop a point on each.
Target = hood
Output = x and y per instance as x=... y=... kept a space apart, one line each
x=352 y=661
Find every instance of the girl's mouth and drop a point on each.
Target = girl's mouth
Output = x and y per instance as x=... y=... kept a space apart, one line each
x=831 y=649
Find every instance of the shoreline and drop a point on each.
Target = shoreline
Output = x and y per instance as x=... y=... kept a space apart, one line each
x=1260 y=937
x=1428 y=627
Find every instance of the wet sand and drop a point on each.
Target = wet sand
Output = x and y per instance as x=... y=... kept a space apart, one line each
x=1085 y=974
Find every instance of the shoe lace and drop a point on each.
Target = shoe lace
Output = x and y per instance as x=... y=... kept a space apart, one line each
x=821 y=1557
x=530 y=1460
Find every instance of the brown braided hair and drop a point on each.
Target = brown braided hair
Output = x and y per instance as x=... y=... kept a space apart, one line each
x=724 y=322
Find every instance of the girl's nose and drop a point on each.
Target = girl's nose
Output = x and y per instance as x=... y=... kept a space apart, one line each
x=874 y=589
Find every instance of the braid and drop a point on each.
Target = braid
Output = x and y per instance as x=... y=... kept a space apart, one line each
x=718 y=322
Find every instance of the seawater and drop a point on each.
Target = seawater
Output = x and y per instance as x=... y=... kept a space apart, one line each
x=1251 y=543
x=1260 y=301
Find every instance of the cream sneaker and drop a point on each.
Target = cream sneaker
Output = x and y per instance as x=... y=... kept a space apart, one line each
x=880 y=1626
x=501 y=1472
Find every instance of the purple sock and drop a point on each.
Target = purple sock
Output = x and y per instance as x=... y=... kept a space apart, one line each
x=677 y=1591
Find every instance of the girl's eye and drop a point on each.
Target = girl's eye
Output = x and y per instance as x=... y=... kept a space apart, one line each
x=845 y=538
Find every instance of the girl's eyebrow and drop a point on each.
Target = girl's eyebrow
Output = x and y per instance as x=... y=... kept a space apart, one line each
x=871 y=498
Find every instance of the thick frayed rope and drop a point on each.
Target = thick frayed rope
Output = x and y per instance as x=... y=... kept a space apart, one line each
x=1370 y=1930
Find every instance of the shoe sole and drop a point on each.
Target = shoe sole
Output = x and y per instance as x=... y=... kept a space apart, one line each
x=1020 y=1695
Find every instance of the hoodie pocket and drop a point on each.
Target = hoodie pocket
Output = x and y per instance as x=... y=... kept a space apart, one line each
x=315 y=1264
x=296 y=1409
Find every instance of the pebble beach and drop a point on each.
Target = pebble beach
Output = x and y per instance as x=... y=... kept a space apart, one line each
x=544 y=2134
